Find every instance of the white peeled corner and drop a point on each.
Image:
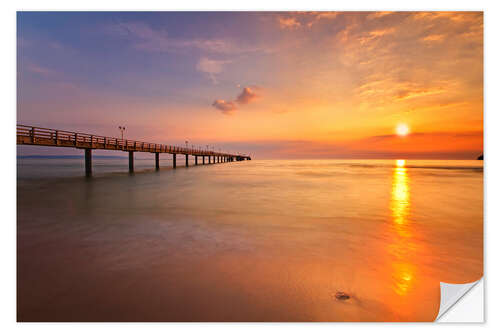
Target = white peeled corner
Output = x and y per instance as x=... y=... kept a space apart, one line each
x=457 y=306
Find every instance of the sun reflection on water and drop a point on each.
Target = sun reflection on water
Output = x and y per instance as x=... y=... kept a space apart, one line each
x=400 y=195
x=402 y=247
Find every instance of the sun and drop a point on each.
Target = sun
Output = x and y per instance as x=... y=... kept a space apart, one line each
x=402 y=130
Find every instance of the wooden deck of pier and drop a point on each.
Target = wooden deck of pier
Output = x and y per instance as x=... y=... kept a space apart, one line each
x=39 y=136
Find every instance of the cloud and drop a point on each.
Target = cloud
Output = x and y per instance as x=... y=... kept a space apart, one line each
x=407 y=94
x=39 y=69
x=246 y=96
x=382 y=32
x=211 y=67
x=432 y=38
x=146 y=38
x=304 y=19
x=226 y=107
x=288 y=23
x=321 y=15
x=412 y=60
x=421 y=145
x=377 y=15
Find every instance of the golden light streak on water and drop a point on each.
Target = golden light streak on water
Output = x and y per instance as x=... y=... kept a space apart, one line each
x=400 y=204
x=403 y=274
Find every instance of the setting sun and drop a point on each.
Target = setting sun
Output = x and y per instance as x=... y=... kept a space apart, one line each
x=400 y=163
x=402 y=129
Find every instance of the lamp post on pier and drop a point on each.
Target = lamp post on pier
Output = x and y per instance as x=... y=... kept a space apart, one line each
x=122 y=129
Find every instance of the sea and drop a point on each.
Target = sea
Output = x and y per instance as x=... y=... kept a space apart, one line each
x=259 y=240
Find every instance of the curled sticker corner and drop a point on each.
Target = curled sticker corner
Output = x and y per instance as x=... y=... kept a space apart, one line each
x=451 y=293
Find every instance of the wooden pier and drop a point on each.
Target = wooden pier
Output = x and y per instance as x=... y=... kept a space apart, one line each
x=29 y=135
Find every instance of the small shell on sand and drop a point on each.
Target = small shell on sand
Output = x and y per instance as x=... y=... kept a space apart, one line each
x=341 y=296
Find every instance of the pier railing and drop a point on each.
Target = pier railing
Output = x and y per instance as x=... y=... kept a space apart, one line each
x=52 y=137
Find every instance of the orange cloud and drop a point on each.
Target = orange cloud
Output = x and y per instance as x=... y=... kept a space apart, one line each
x=382 y=32
x=432 y=38
x=304 y=19
x=448 y=142
x=288 y=23
x=227 y=107
x=247 y=96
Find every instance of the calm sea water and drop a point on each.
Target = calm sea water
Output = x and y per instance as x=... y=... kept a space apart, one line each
x=245 y=241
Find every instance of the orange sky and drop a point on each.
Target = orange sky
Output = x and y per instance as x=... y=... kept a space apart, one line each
x=275 y=85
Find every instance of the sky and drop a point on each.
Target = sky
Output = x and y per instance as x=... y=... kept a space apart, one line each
x=269 y=84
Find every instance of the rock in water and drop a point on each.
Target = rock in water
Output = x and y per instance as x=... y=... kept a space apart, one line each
x=341 y=296
x=480 y=157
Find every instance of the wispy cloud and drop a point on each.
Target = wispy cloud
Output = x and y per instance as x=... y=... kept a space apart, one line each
x=432 y=38
x=317 y=16
x=304 y=19
x=144 y=37
x=377 y=15
x=409 y=59
x=34 y=68
x=211 y=67
x=289 y=23
x=435 y=145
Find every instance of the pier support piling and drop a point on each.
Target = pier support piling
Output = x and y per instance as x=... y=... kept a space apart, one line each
x=203 y=159
x=157 y=161
x=88 y=162
x=131 y=161
x=187 y=160
x=174 y=161
x=196 y=160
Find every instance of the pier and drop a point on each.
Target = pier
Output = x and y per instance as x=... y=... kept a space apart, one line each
x=39 y=136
